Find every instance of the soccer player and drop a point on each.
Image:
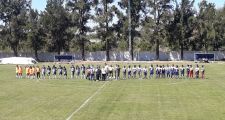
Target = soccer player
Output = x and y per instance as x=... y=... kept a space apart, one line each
x=134 y=70
x=197 y=72
x=157 y=71
x=145 y=71
x=64 y=72
x=43 y=72
x=191 y=72
x=20 y=72
x=110 y=75
x=176 y=69
x=182 y=71
x=167 y=68
x=34 y=72
x=172 y=71
x=31 y=72
x=160 y=71
x=60 y=69
x=203 y=72
x=188 y=71
x=103 y=73
x=124 y=72
x=107 y=70
x=163 y=72
x=49 y=72
x=54 y=70
x=151 y=69
x=117 y=71
x=72 y=69
x=17 y=71
x=139 y=70
x=77 y=69
x=27 y=71
x=92 y=72
x=83 y=69
x=38 y=72
x=98 y=73
x=129 y=72
x=88 y=72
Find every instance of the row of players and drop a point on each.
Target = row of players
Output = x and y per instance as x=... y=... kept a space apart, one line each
x=110 y=72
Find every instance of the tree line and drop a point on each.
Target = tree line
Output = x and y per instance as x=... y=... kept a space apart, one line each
x=106 y=25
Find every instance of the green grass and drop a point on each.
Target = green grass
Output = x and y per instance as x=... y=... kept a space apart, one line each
x=162 y=99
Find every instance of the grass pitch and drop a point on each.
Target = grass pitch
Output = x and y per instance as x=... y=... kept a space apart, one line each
x=155 y=99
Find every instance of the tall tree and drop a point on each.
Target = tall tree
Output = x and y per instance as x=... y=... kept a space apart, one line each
x=182 y=26
x=36 y=33
x=206 y=21
x=130 y=20
x=161 y=14
x=13 y=13
x=80 y=14
x=219 y=24
x=103 y=17
x=56 y=22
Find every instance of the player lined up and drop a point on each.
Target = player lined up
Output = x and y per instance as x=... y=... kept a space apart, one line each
x=35 y=72
x=110 y=72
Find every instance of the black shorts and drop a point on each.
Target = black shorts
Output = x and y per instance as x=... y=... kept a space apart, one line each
x=73 y=73
x=54 y=73
x=60 y=73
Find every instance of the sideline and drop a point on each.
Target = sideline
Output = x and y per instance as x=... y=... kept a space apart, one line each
x=86 y=101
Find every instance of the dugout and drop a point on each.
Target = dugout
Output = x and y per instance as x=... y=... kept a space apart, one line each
x=204 y=57
x=63 y=58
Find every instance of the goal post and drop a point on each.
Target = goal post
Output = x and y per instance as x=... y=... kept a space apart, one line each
x=63 y=58
x=204 y=57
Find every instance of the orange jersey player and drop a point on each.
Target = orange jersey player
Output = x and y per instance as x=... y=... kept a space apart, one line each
x=34 y=72
x=27 y=71
x=38 y=72
x=17 y=71
x=20 y=72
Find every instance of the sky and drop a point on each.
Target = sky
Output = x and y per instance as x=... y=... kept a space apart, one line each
x=41 y=4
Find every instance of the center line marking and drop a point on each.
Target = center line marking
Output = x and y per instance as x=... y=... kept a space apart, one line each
x=86 y=101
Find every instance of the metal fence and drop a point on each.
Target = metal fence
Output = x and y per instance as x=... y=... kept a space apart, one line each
x=120 y=56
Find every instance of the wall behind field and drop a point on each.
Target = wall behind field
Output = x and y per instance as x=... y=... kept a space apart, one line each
x=120 y=56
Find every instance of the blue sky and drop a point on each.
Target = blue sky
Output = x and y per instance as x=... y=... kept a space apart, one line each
x=40 y=4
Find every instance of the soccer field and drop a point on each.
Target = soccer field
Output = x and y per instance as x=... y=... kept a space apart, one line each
x=155 y=99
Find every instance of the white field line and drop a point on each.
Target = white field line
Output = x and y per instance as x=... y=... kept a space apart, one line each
x=86 y=101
